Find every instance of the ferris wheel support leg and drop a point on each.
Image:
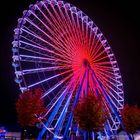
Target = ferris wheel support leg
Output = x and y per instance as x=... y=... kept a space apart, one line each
x=108 y=131
x=107 y=99
x=112 y=106
x=75 y=102
x=85 y=136
x=98 y=95
x=77 y=131
x=60 y=120
x=41 y=134
x=89 y=135
x=87 y=82
x=51 y=116
x=93 y=135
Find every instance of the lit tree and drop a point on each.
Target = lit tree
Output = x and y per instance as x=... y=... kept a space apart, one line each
x=131 y=119
x=28 y=105
x=90 y=114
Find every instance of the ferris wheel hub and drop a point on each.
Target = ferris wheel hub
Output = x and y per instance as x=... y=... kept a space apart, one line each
x=86 y=63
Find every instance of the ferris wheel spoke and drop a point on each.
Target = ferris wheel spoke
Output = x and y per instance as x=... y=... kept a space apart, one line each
x=104 y=64
x=114 y=95
x=116 y=98
x=94 y=51
x=61 y=94
x=85 y=30
x=109 y=77
x=63 y=21
x=52 y=32
x=68 y=110
x=66 y=91
x=60 y=23
x=94 y=40
x=104 y=77
x=54 y=54
x=62 y=81
x=63 y=114
x=114 y=110
x=47 y=79
x=56 y=28
x=55 y=43
x=44 y=69
x=36 y=36
x=113 y=101
x=37 y=59
x=107 y=82
x=112 y=80
x=57 y=85
x=101 y=59
x=56 y=36
x=109 y=72
x=110 y=93
x=83 y=33
x=42 y=58
x=55 y=110
x=79 y=29
x=104 y=67
x=75 y=102
x=117 y=91
x=98 y=54
x=65 y=94
x=76 y=28
x=72 y=39
x=96 y=45
x=60 y=19
x=87 y=33
x=98 y=91
x=91 y=36
x=68 y=22
x=34 y=45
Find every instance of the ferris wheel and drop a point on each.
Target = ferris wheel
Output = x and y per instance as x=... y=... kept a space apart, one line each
x=60 y=49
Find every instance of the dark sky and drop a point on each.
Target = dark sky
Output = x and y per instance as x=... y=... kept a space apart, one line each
x=118 y=21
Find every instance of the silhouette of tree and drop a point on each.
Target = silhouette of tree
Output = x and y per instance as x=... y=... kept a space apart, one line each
x=90 y=114
x=131 y=119
x=28 y=104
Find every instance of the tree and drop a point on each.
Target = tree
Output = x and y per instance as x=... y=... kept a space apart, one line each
x=28 y=104
x=131 y=119
x=90 y=114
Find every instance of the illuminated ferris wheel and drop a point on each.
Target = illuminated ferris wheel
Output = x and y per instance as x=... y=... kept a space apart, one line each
x=59 y=48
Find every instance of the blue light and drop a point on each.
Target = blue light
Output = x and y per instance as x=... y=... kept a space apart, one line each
x=18 y=81
x=15 y=64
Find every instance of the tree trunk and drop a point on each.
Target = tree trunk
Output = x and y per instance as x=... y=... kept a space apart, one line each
x=23 y=134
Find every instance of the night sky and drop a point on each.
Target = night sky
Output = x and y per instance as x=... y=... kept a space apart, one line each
x=118 y=22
